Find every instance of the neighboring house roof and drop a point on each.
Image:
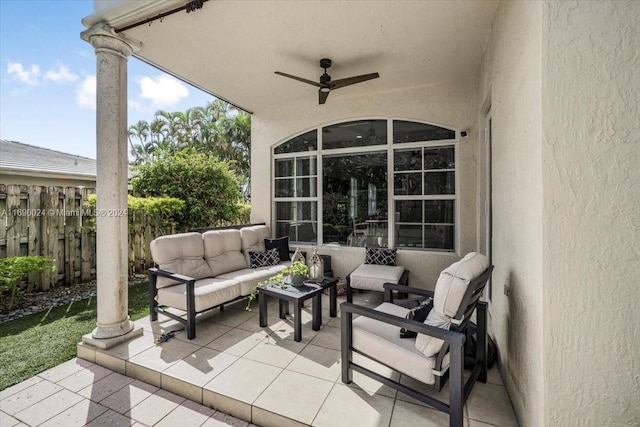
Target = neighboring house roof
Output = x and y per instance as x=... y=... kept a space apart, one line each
x=28 y=159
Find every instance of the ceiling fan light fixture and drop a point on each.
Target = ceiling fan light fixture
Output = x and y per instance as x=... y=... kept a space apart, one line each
x=325 y=89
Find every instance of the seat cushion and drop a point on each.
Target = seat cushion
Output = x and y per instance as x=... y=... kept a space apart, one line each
x=253 y=240
x=454 y=280
x=209 y=293
x=250 y=277
x=223 y=251
x=381 y=341
x=180 y=253
x=372 y=277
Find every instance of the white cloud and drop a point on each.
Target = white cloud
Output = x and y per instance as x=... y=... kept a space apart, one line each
x=28 y=76
x=60 y=75
x=162 y=91
x=86 y=93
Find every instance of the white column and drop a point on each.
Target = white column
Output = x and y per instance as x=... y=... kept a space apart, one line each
x=111 y=137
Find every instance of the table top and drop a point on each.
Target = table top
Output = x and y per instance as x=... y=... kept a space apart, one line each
x=308 y=289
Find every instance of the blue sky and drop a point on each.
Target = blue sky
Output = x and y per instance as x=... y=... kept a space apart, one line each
x=47 y=78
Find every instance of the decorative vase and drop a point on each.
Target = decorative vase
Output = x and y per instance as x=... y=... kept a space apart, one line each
x=316 y=268
x=297 y=280
x=297 y=256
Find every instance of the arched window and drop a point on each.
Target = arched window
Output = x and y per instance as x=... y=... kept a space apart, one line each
x=351 y=183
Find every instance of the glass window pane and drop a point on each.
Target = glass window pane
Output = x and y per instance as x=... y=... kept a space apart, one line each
x=405 y=160
x=404 y=131
x=438 y=237
x=305 y=142
x=409 y=211
x=409 y=236
x=355 y=193
x=439 y=158
x=306 y=166
x=439 y=211
x=284 y=187
x=355 y=134
x=298 y=231
x=439 y=183
x=284 y=167
x=407 y=183
x=299 y=211
x=306 y=187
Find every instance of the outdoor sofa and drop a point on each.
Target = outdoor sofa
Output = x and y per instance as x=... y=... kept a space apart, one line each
x=201 y=271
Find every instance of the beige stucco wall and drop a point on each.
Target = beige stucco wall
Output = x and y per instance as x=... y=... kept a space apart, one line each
x=449 y=104
x=591 y=181
x=510 y=84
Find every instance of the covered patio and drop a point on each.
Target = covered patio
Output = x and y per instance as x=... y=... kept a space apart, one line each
x=538 y=101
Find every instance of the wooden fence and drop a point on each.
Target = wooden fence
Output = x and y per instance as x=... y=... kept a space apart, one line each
x=54 y=222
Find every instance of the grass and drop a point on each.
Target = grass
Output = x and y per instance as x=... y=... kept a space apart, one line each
x=35 y=343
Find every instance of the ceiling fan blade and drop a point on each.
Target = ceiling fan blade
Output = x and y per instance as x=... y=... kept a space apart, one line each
x=300 y=79
x=322 y=96
x=337 y=84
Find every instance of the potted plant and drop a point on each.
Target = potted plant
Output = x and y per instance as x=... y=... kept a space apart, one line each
x=290 y=276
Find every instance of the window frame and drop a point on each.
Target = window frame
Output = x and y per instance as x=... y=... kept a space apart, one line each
x=390 y=148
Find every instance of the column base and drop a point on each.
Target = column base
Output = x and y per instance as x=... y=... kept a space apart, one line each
x=107 y=343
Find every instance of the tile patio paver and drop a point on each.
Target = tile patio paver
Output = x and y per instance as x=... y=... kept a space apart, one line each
x=258 y=375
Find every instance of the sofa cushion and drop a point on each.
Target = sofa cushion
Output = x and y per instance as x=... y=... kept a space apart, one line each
x=253 y=240
x=454 y=280
x=250 y=277
x=281 y=244
x=223 y=251
x=209 y=292
x=182 y=254
x=382 y=342
x=264 y=259
x=380 y=256
x=372 y=277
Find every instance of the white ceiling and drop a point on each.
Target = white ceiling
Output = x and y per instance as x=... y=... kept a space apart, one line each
x=232 y=48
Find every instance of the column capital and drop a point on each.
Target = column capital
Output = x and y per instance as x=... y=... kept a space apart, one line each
x=102 y=36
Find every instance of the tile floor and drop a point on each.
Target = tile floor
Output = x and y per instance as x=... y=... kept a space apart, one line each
x=257 y=375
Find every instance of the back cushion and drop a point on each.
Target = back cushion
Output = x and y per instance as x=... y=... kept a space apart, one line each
x=223 y=251
x=454 y=280
x=182 y=254
x=253 y=240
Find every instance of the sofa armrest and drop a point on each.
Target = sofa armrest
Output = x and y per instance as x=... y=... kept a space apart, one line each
x=169 y=275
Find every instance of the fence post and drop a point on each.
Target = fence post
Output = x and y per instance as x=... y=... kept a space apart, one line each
x=34 y=227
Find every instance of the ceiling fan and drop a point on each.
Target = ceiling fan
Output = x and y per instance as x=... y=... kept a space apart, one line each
x=326 y=85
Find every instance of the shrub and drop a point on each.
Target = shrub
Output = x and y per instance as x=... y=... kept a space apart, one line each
x=14 y=269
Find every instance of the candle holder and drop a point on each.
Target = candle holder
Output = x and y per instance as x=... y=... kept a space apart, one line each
x=316 y=267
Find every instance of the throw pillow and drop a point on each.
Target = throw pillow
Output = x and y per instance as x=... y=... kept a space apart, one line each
x=281 y=244
x=264 y=259
x=380 y=256
x=419 y=314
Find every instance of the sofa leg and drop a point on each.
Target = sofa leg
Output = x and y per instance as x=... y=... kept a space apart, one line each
x=456 y=384
x=153 y=292
x=191 y=310
x=221 y=308
x=349 y=290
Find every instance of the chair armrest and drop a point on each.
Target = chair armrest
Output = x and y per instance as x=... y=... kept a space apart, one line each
x=402 y=322
x=169 y=275
x=408 y=290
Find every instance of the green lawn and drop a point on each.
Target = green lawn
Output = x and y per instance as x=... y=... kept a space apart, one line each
x=41 y=341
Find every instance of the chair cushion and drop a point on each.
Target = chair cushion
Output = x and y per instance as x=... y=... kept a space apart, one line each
x=180 y=253
x=426 y=344
x=372 y=277
x=223 y=251
x=454 y=280
x=380 y=256
x=264 y=258
x=253 y=240
x=281 y=244
x=381 y=341
x=209 y=293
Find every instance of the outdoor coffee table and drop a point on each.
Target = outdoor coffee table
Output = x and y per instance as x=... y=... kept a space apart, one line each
x=298 y=296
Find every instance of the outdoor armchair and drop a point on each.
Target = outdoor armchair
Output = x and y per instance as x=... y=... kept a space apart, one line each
x=436 y=355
